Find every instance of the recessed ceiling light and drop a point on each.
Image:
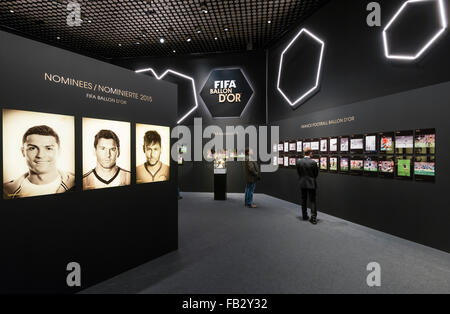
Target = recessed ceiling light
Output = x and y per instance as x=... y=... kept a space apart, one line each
x=58 y=38
x=138 y=43
x=89 y=21
x=162 y=40
x=188 y=39
x=174 y=51
x=269 y=21
x=198 y=31
x=215 y=38
x=226 y=29
x=120 y=45
x=12 y=11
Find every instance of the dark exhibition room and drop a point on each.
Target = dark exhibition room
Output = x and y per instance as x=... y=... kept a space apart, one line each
x=224 y=155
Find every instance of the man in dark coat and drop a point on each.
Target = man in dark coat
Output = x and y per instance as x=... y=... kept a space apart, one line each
x=308 y=171
x=251 y=172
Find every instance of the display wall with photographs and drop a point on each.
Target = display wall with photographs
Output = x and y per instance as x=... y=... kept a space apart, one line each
x=376 y=154
x=70 y=130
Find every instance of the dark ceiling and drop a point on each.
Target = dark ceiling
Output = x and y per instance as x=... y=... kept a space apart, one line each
x=132 y=28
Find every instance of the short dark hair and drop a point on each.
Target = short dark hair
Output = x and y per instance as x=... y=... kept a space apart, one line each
x=106 y=134
x=152 y=137
x=40 y=130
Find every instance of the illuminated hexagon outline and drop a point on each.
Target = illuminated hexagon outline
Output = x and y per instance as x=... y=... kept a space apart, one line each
x=316 y=85
x=180 y=75
x=248 y=82
x=443 y=21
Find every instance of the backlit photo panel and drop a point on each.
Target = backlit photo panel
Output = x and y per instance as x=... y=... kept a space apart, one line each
x=152 y=153
x=106 y=153
x=38 y=153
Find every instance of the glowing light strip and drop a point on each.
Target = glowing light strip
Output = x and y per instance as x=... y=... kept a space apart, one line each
x=178 y=74
x=443 y=21
x=303 y=30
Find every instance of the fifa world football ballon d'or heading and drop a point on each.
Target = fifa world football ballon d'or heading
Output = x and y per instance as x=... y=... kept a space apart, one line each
x=68 y=81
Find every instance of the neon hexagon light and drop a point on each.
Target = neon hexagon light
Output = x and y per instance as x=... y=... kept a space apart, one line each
x=180 y=75
x=296 y=102
x=442 y=22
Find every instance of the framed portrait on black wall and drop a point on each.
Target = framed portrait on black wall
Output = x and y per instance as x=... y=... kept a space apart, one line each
x=344 y=164
x=286 y=161
x=333 y=144
x=324 y=145
x=357 y=144
x=299 y=146
x=386 y=166
x=386 y=143
x=38 y=153
x=356 y=165
x=153 y=153
x=370 y=144
x=333 y=164
x=315 y=145
x=106 y=153
x=280 y=160
x=306 y=144
x=323 y=163
x=344 y=144
x=370 y=165
x=425 y=142
x=280 y=147
x=425 y=168
x=293 y=147
x=404 y=166
x=404 y=142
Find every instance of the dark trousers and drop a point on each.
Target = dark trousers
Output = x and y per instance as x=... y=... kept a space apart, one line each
x=249 y=190
x=311 y=194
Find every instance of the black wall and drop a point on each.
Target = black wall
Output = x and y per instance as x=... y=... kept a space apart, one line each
x=383 y=95
x=106 y=231
x=198 y=176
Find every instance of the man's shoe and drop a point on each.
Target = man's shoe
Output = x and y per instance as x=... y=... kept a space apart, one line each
x=252 y=206
x=313 y=221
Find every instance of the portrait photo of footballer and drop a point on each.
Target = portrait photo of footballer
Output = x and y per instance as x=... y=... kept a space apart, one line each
x=38 y=154
x=106 y=154
x=152 y=153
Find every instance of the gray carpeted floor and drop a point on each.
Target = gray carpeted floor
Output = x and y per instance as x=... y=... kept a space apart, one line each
x=227 y=248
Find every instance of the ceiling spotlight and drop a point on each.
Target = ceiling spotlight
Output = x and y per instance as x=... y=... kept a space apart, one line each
x=198 y=31
x=120 y=45
x=138 y=43
x=162 y=40
x=12 y=11
x=226 y=29
x=188 y=39
x=215 y=38
x=204 y=9
x=269 y=21
x=89 y=21
x=58 y=38
x=174 y=51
